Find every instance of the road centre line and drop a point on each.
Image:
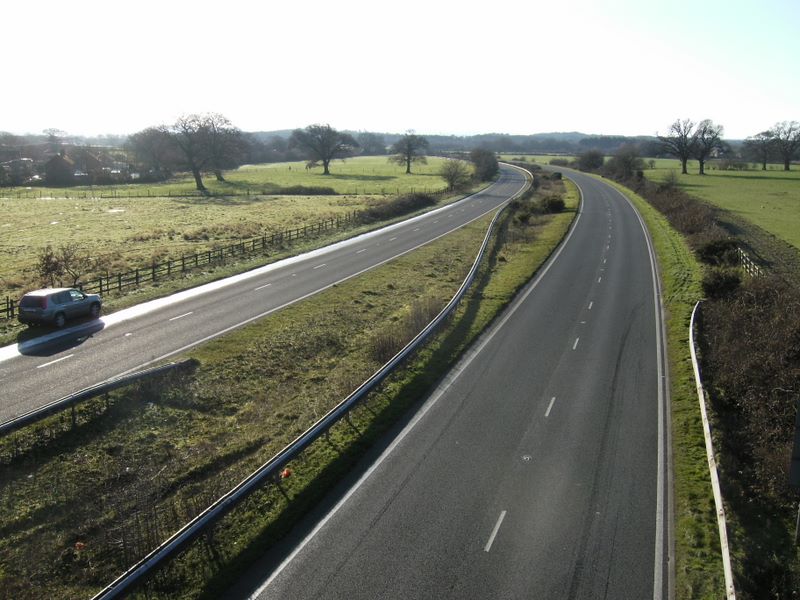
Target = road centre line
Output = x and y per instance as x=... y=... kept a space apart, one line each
x=52 y=362
x=591 y=304
x=181 y=316
x=261 y=287
x=360 y=251
x=575 y=345
x=550 y=407
x=494 y=531
x=320 y=266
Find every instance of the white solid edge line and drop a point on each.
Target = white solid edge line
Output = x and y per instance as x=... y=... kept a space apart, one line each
x=730 y=591
x=494 y=531
x=429 y=403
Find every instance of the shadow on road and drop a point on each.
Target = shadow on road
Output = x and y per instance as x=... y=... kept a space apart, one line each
x=45 y=341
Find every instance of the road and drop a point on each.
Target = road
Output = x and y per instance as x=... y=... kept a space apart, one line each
x=538 y=467
x=36 y=373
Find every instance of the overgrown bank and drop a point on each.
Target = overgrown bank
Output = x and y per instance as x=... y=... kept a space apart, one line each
x=80 y=505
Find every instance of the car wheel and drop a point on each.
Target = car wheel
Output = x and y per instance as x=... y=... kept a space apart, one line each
x=95 y=310
x=60 y=320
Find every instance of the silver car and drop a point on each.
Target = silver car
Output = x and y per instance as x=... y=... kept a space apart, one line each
x=54 y=306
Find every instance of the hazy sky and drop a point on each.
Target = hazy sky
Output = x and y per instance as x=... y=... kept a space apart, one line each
x=436 y=66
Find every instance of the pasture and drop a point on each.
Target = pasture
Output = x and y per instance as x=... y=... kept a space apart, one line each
x=129 y=226
x=769 y=199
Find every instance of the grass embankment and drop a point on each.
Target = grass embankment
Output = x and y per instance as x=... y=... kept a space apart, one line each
x=80 y=506
x=125 y=233
x=698 y=556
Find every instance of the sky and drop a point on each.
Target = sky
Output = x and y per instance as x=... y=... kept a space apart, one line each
x=615 y=67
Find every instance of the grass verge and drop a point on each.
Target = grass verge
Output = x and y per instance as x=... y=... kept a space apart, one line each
x=77 y=506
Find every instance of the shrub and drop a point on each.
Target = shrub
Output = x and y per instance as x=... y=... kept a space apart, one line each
x=307 y=190
x=721 y=282
x=559 y=162
x=401 y=205
x=719 y=251
x=553 y=203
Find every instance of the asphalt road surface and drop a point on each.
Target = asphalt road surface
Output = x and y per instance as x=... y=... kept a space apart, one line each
x=536 y=470
x=36 y=373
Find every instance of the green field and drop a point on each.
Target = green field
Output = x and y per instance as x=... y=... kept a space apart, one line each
x=769 y=199
x=125 y=227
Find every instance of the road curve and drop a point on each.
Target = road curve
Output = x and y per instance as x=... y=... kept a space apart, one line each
x=536 y=470
x=34 y=374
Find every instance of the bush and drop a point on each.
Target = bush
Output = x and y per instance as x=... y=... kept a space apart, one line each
x=401 y=205
x=721 y=282
x=553 y=203
x=305 y=190
x=719 y=251
x=559 y=162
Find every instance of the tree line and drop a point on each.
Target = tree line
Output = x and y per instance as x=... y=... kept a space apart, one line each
x=210 y=143
x=686 y=140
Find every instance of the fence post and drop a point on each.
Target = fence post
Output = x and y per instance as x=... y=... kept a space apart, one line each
x=153 y=271
x=137 y=276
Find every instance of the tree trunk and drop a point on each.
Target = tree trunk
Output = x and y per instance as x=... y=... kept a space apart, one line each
x=325 y=170
x=218 y=175
x=702 y=167
x=764 y=165
x=408 y=165
x=683 y=166
x=198 y=180
x=786 y=163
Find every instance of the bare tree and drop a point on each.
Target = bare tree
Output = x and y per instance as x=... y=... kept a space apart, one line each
x=787 y=141
x=191 y=135
x=760 y=147
x=625 y=162
x=73 y=261
x=372 y=144
x=155 y=150
x=226 y=144
x=678 y=141
x=485 y=163
x=456 y=173
x=410 y=148
x=706 y=139
x=322 y=144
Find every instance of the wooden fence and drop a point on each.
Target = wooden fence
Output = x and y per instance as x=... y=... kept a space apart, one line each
x=216 y=256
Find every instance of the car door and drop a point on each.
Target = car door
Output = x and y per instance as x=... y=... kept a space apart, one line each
x=77 y=304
